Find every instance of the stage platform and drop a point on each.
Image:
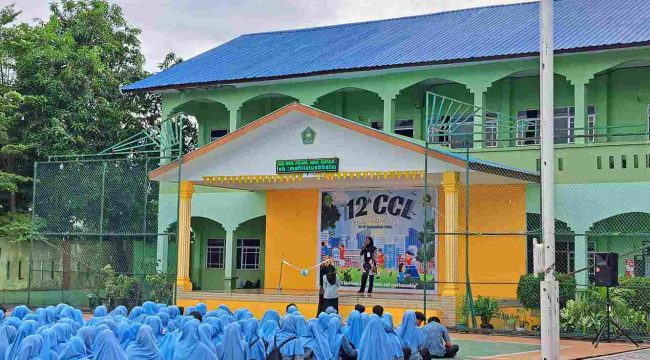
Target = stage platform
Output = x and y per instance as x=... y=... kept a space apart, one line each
x=259 y=300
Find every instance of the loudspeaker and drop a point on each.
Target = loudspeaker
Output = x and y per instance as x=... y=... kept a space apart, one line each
x=606 y=269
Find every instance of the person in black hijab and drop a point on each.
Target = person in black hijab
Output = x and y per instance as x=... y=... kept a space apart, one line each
x=368 y=265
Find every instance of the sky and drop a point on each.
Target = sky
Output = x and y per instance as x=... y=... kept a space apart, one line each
x=190 y=27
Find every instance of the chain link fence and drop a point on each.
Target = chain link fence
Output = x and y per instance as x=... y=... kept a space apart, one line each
x=96 y=237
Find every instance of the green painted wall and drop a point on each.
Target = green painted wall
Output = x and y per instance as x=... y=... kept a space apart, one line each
x=256 y=108
x=204 y=229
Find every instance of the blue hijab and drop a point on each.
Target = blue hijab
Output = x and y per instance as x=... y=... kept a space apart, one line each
x=366 y=318
x=334 y=336
x=323 y=321
x=136 y=312
x=150 y=308
x=206 y=332
x=63 y=333
x=100 y=311
x=106 y=347
x=256 y=350
x=48 y=348
x=270 y=315
x=30 y=348
x=395 y=344
x=408 y=332
x=164 y=317
x=144 y=346
x=78 y=317
x=288 y=331
x=202 y=308
x=292 y=309
x=374 y=342
x=28 y=327
x=354 y=330
x=225 y=308
x=189 y=310
x=156 y=327
x=301 y=328
x=75 y=349
x=7 y=336
x=129 y=335
x=173 y=311
x=189 y=346
x=233 y=346
x=217 y=329
x=120 y=310
x=268 y=331
x=20 y=311
x=317 y=341
x=87 y=335
x=168 y=345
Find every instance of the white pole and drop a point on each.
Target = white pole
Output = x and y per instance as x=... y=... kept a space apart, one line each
x=549 y=288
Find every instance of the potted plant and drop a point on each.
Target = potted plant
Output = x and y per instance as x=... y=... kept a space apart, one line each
x=522 y=320
x=486 y=309
x=119 y=288
x=510 y=320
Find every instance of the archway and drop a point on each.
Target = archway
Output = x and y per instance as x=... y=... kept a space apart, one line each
x=628 y=235
x=410 y=109
x=619 y=103
x=261 y=105
x=516 y=98
x=355 y=104
x=564 y=243
x=207 y=254
x=211 y=118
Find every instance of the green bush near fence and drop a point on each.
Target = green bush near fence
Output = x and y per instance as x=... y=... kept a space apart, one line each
x=528 y=289
x=639 y=297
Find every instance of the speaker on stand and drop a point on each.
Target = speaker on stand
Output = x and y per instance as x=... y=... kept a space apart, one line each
x=606 y=274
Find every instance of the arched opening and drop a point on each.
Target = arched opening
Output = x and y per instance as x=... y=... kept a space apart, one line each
x=211 y=118
x=207 y=254
x=516 y=99
x=410 y=111
x=262 y=105
x=250 y=242
x=358 y=105
x=619 y=103
x=628 y=235
x=564 y=243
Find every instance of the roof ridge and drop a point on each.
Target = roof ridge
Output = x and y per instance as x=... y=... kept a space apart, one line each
x=315 y=28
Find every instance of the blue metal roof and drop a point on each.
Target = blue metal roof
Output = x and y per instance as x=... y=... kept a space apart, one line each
x=454 y=36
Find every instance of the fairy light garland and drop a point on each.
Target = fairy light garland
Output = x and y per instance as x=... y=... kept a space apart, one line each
x=292 y=178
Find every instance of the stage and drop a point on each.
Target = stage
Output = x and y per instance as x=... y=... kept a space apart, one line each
x=259 y=300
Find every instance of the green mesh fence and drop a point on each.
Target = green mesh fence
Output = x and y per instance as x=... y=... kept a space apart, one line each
x=96 y=236
x=602 y=205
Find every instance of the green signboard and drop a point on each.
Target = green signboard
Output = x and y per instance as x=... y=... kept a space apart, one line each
x=307 y=166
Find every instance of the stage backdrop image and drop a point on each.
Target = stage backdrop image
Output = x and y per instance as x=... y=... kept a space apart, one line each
x=395 y=221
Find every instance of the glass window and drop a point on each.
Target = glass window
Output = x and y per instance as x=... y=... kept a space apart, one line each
x=454 y=132
x=217 y=133
x=591 y=123
x=599 y=162
x=491 y=129
x=248 y=254
x=648 y=124
x=215 y=254
x=624 y=161
x=404 y=127
x=528 y=126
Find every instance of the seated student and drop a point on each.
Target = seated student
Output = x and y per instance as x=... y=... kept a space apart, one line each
x=420 y=318
x=360 y=308
x=437 y=340
x=291 y=308
x=378 y=310
x=197 y=315
x=340 y=346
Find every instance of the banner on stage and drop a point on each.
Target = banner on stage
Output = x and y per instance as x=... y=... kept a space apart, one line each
x=394 y=219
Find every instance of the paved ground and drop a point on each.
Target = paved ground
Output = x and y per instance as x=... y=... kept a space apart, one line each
x=474 y=346
x=634 y=355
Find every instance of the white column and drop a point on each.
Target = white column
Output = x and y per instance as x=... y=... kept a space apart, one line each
x=230 y=279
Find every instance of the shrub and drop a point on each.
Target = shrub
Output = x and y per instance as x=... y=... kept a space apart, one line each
x=639 y=296
x=528 y=289
x=160 y=288
x=486 y=308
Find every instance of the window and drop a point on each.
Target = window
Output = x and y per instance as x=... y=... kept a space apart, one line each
x=528 y=127
x=623 y=161
x=538 y=164
x=8 y=269
x=560 y=164
x=636 y=161
x=20 y=270
x=217 y=133
x=404 y=128
x=591 y=123
x=491 y=129
x=599 y=162
x=455 y=132
x=248 y=254
x=647 y=161
x=215 y=254
x=611 y=162
x=648 y=125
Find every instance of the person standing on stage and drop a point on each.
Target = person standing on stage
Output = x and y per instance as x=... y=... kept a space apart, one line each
x=368 y=265
x=331 y=285
x=325 y=268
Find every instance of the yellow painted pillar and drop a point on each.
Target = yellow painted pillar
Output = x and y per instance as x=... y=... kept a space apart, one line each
x=451 y=188
x=184 y=218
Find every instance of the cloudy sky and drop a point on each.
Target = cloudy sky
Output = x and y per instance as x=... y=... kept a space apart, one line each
x=190 y=27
